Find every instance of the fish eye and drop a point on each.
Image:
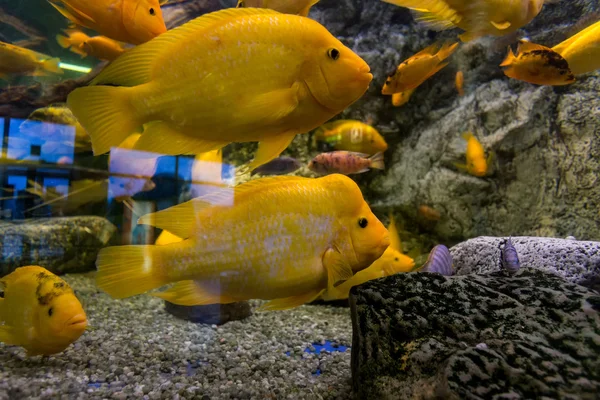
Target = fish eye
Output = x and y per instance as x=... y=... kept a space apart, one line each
x=50 y=311
x=363 y=222
x=152 y=12
x=334 y=54
x=396 y=259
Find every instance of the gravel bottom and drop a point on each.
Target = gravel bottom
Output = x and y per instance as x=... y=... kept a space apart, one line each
x=136 y=350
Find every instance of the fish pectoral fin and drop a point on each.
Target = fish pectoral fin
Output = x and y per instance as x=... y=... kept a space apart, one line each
x=291 y=302
x=337 y=268
x=160 y=137
x=501 y=25
x=271 y=148
x=191 y=293
x=9 y=335
x=274 y=105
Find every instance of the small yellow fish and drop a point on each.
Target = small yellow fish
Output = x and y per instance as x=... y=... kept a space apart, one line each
x=391 y=262
x=460 y=82
x=538 y=65
x=100 y=47
x=298 y=7
x=429 y=213
x=39 y=312
x=129 y=21
x=185 y=85
x=476 y=17
x=477 y=164
x=16 y=60
x=582 y=51
x=417 y=69
x=284 y=239
x=401 y=98
x=59 y=114
x=351 y=135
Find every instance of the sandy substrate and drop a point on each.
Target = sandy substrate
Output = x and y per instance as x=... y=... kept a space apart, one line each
x=136 y=350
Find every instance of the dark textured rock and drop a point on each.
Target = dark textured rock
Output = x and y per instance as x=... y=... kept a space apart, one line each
x=574 y=260
x=427 y=336
x=217 y=314
x=60 y=245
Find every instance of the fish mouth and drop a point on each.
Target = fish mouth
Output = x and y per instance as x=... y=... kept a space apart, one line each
x=78 y=321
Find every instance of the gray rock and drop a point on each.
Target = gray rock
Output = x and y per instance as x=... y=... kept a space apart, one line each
x=427 y=336
x=576 y=261
x=216 y=314
x=61 y=245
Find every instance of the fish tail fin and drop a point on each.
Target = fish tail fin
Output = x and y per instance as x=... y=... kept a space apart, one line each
x=377 y=161
x=106 y=113
x=510 y=58
x=63 y=41
x=53 y=65
x=125 y=271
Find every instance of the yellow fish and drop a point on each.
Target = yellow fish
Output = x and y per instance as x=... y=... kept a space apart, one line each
x=129 y=21
x=58 y=114
x=39 y=312
x=351 y=135
x=538 y=65
x=16 y=60
x=298 y=7
x=477 y=164
x=401 y=98
x=459 y=81
x=284 y=239
x=185 y=85
x=476 y=17
x=582 y=51
x=100 y=47
x=412 y=72
x=391 y=262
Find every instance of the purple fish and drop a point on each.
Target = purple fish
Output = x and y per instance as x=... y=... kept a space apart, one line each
x=279 y=166
x=509 y=259
x=439 y=261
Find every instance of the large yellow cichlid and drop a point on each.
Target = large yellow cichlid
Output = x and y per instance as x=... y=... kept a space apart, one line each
x=476 y=17
x=582 y=51
x=298 y=7
x=235 y=75
x=130 y=21
x=391 y=262
x=284 y=239
x=39 y=312
x=15 y=60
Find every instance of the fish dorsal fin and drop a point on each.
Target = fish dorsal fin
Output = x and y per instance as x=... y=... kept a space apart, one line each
x=525 y=46
x=182 y=220
x=141 y=64
x=395 y=242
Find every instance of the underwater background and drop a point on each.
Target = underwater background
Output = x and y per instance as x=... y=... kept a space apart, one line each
x=485 y=332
